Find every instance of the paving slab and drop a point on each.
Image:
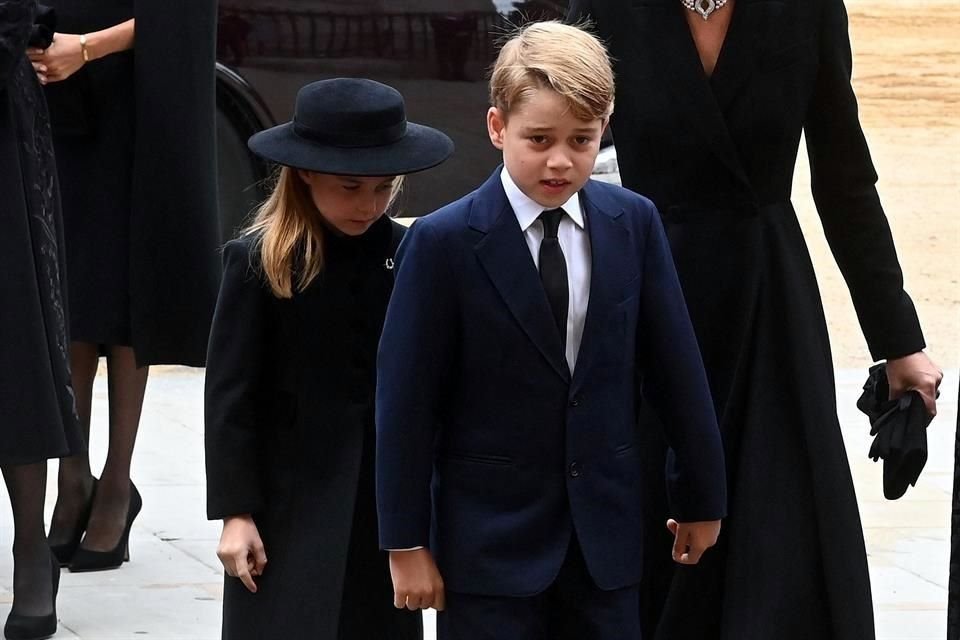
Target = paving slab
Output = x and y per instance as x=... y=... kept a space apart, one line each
x=171 y=588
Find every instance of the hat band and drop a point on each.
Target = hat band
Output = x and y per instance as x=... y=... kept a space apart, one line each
x=353 y=139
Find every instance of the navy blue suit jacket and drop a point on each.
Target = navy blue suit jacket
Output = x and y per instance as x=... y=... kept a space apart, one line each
x=488 y=450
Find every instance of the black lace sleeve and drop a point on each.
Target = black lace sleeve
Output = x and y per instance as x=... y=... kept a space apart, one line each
x=16 y=21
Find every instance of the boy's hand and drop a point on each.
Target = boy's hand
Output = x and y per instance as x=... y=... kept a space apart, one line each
x=241 y=550
x=416 y=580
x=691 y=539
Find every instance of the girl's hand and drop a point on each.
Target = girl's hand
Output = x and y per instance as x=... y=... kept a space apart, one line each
x=916 y=372
x=691 y=539
x=241 y=550
x=60 y=60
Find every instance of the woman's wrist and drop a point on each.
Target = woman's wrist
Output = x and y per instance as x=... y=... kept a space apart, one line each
x=117 y=38
x=240 y=516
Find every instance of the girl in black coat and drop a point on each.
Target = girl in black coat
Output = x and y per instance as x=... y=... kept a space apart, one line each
x=291 y=373
x=712 y=100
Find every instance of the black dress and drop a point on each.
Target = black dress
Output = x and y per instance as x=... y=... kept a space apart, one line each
x=93 y=124
x=136 y=165
x=290 y=439
x=36 y=397
x=717 y=156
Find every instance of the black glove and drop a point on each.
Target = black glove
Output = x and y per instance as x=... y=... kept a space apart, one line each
x=900 y=427
x=44 y=26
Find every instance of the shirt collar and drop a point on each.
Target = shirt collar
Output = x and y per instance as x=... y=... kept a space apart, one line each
x=528 y=210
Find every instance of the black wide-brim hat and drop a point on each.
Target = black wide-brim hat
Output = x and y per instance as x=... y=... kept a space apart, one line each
x=352 y=127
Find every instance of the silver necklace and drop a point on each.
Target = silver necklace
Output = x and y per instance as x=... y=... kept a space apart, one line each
x=704 y=7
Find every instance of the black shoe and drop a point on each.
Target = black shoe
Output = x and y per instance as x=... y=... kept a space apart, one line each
x=64 y=552
x=20 y=627
x=85 y=560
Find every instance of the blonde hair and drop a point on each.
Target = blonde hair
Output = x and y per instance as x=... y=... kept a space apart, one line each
x=289 y=234
x=557 y=56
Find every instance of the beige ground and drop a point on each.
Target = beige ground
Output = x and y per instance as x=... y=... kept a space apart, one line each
x=907 y=77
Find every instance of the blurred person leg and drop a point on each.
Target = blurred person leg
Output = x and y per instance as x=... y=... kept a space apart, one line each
x=33 y=590
x=75 y=480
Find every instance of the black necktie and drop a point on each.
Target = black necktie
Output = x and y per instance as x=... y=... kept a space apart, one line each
x=553 y=271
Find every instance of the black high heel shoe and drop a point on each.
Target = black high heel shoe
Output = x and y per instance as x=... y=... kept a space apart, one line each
x=85 y=560
x=64 y=552
x=20 y=627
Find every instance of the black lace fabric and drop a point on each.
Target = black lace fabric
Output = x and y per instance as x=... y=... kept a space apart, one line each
x=33 y=257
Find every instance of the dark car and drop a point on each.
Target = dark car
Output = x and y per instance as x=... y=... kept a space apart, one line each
x=435 y=52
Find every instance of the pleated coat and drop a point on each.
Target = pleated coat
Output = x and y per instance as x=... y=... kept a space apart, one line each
x=717 y=155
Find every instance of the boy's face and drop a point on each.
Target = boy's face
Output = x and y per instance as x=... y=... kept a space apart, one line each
x=349 y=204
x=548 y=151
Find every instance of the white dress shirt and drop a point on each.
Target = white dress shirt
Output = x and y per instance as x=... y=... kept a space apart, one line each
x=575 y=244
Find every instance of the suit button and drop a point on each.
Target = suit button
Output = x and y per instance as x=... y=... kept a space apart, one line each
x=574 y=469
x=575 y=402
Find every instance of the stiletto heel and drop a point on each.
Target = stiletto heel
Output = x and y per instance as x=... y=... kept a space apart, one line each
x=20 y=627
x=64 y=552
x=85 y=560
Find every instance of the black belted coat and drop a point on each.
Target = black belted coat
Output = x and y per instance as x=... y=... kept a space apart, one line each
x=717 y=156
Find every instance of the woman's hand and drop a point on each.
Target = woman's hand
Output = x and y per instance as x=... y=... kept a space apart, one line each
x=241 y=550
x=916 y=372
x=60 y=60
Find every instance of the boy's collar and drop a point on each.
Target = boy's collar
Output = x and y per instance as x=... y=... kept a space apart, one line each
x=528 y=210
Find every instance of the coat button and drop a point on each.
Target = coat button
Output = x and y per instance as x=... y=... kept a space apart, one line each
x=574 y=469
x=575 y=402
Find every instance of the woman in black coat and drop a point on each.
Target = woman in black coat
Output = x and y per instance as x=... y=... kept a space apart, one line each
x=291 y=373
x=710 y=110
x=37 y=417
x=133 y=129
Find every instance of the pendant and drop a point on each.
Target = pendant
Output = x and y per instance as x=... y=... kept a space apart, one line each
x=705 y=7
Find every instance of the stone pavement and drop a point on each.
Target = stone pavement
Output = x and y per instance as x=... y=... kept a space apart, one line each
x=171 y=588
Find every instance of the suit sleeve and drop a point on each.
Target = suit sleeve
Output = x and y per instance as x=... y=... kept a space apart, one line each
x=844 y=189
x=234 y=362
x=414 y=361
x=675 y=385
x=16 y=21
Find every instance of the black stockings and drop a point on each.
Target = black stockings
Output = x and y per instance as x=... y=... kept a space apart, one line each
x=125 y=387
x=32 y=569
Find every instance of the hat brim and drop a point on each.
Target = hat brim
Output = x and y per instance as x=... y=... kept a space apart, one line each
x=420 y=148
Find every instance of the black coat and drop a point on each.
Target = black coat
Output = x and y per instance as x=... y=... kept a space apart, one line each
x=137 y=160
x=717 y=156
x=953 y=605
x=290 y=438
x=36 y=398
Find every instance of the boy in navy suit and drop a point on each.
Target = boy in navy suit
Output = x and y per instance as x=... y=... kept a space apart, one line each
x=527 y=320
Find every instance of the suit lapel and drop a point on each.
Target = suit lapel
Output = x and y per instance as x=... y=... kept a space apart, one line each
x=662 y=30
x=612 y=267
x=504 y=255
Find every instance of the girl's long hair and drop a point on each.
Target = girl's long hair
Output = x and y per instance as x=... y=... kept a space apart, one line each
x=288 y=234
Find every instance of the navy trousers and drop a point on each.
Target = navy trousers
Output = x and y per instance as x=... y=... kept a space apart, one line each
x=573 y=607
